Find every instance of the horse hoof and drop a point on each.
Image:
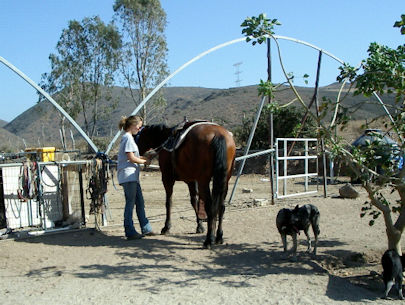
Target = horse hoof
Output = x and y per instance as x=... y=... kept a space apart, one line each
x=219 y=241
x=200 y=229
x=164 y=231
x=207 y=245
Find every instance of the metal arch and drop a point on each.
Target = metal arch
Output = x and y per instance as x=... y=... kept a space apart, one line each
x=153 y=92
x=220 y=46
x=50 y=99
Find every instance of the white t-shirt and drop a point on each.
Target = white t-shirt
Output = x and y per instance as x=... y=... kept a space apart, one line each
x=126 y=170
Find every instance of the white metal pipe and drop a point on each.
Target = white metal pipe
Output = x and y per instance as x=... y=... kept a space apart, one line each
x=201 y=55
x=297 y=158
x=285 y=167
x=306 y=166
x=249 y=142
x=297 y=176
x=260 y=153
x=50 y=99
x=297 y=194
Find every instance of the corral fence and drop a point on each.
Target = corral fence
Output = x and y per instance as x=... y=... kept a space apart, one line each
x=296 y=170
x=38 y=195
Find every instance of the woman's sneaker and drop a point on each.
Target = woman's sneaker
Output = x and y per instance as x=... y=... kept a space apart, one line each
x=135 y=236
x=150 y=233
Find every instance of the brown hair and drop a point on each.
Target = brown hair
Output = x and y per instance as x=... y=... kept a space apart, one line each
x=127 y=122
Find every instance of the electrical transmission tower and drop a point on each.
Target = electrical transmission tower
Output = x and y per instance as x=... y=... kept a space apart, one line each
x=237 y=73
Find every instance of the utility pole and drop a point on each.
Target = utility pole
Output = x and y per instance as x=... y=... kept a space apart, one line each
x=237 y=73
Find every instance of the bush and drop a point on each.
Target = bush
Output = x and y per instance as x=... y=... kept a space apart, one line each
x=286 y=124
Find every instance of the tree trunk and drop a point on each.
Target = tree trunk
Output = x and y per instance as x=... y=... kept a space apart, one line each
x=394 y=240
x=393 y=231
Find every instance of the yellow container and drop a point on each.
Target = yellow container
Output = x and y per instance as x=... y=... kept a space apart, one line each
x=32 y=153
x=46 y=154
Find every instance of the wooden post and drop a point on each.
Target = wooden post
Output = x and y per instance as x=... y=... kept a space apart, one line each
x=82 y=194
x=271 y=123
x=319 y=125
x=65 y=193
x=3 y=222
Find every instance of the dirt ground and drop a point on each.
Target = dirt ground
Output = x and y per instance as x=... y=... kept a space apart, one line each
x=86 y=266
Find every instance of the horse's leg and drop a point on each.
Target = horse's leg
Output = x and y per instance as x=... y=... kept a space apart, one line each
x=192 y=187
x=168 y=184
x=205 y=195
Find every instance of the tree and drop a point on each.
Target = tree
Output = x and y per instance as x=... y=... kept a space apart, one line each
x=383 y=71
x=82 y=70
x=143 y=64
x=287 y=123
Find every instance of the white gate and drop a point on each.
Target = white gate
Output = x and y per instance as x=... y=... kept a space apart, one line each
x=283 y=157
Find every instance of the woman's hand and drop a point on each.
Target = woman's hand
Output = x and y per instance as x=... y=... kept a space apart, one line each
x=147 y=161
x=134 y=159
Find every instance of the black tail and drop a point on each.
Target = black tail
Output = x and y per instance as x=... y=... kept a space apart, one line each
x=219 y=183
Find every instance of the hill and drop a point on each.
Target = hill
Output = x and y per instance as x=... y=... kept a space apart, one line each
x=39 y=125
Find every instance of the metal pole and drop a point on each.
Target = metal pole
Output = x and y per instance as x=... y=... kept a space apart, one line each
x=325 y=184
x=51 y=100
x=252 y=133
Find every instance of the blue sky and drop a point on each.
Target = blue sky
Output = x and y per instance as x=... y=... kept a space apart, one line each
x=30 y=29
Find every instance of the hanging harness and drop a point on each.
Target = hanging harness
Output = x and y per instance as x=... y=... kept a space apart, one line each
x=27 y=181
x=98 y=184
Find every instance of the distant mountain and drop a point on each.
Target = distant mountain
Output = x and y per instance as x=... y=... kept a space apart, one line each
x=39 y=125
x=9 y=141
x=2 y=123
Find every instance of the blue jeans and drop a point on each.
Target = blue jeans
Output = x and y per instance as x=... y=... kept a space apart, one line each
x=134 y=197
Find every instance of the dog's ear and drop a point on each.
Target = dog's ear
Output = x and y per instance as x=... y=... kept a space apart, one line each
x=296 y=207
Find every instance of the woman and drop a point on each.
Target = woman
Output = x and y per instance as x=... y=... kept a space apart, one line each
x=128 y=178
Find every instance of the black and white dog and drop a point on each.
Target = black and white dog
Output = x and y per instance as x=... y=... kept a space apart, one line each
x=393 y=266
x=291 y=221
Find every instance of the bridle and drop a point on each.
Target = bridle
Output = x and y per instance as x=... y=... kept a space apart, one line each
x=157 y=149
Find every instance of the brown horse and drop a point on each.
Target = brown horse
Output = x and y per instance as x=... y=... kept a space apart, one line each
x=206 y=151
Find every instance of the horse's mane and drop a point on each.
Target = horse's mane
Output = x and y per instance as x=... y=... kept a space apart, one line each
x=159 y=131
x=165 y=131
x=157 y=127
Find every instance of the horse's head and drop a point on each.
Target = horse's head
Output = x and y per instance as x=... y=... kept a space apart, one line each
x=151 y=136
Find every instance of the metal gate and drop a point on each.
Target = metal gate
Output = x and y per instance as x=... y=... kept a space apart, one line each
x=308 y=161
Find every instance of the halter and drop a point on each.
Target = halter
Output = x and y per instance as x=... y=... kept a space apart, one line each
x=153 y=151
x=138 y=135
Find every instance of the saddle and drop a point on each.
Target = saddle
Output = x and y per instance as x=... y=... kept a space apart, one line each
x=179 y=133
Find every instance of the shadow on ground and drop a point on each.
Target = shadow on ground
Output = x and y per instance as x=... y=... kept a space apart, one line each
x=159 y=262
